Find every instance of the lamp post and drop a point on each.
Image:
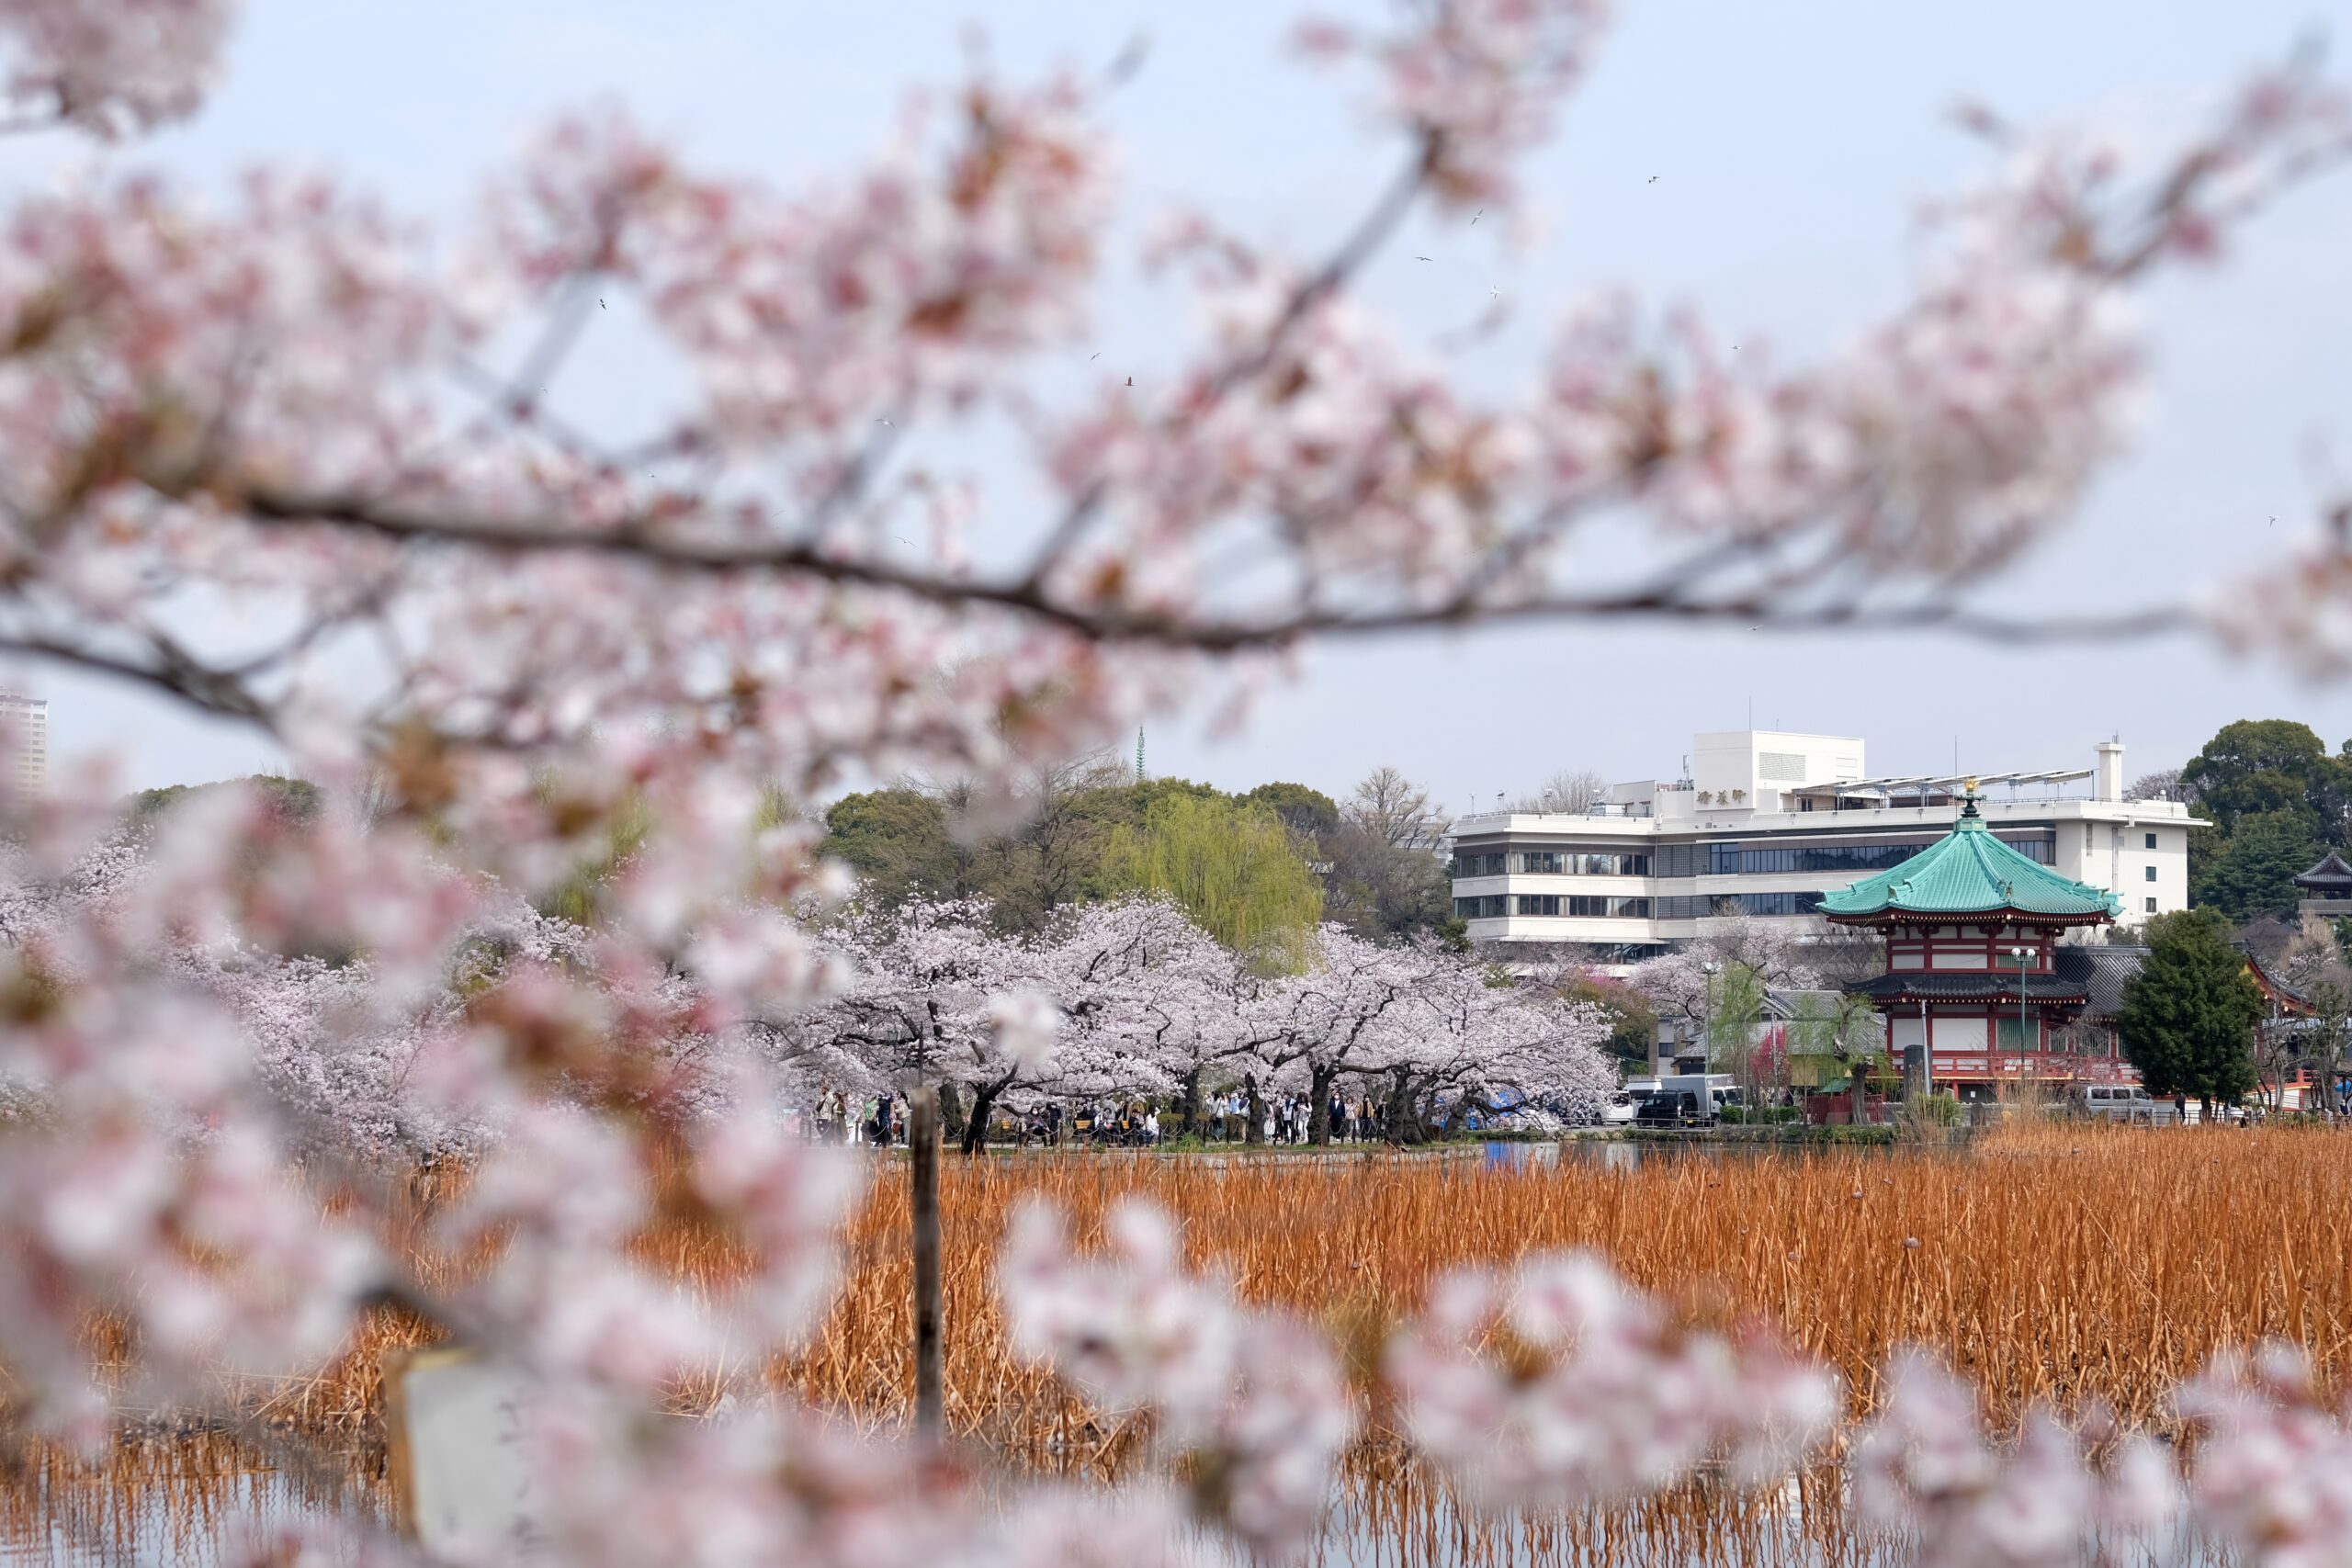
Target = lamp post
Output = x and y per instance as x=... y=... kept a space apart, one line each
x=1707 y=1023
x=1927 y=1052
x=2023 y=958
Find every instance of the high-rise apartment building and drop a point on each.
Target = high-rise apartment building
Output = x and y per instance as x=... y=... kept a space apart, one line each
x=25 y=721
x=1767 y=822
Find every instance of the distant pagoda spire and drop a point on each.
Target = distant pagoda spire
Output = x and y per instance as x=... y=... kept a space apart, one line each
x=1139 y=772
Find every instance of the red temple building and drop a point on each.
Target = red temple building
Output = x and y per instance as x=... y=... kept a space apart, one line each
x=1973 y=992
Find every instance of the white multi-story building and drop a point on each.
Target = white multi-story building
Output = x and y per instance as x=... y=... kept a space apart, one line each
x=1768 y=821
x=24 y=735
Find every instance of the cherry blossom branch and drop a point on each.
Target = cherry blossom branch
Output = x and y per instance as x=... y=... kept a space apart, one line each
x=636 y=540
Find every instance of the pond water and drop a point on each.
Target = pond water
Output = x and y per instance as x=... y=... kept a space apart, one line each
x=187 y=1520
x=1394 y=1520
x=1627 y=1154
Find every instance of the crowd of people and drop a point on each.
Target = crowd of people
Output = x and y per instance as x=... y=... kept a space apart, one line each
x=881 y=1120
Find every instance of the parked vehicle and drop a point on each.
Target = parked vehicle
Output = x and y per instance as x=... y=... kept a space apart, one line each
x=1618 y=1111
x=1719 y=1091
x=1675 y=1108
x=2120 y=1102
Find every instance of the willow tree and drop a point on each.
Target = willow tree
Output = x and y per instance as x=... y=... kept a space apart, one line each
x=1233 y=868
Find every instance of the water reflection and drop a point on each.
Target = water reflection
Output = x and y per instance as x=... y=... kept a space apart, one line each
x=183 y=1499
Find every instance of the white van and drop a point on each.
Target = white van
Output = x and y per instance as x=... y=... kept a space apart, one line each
x=2119 y=1102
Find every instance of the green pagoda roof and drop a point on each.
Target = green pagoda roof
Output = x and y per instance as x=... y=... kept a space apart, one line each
x=1970 y=872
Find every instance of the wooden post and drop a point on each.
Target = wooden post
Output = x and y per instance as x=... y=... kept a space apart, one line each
x=924 y=1135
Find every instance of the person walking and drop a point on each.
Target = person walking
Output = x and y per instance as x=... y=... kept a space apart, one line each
x=1151 y=1128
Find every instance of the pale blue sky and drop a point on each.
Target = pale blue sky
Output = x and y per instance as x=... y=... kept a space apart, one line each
x=1789 y=140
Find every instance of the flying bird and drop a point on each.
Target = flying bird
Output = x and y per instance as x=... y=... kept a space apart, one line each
x=1652 y=179
x=1421 y=258
x=1094 y=357
x=600 y=304
x=1131 y=380
x=1475 y=215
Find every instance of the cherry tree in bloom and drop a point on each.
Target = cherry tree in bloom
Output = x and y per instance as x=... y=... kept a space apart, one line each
x=933 y=996
x=1473 y=1044
x=1734 y=951
x=598 y=655
x=1344 y=1013
x=1150 y=1003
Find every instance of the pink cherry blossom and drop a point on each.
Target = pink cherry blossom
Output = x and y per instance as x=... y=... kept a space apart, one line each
x=109 y=68
x=1558 y=1385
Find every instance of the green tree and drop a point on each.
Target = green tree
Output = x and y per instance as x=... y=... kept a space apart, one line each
x=2254 y=766
x=897 y=841
x=1234 y=868
x=295 y=799
x=1310 y=812
x=2189 y=1015
x=2254 y=873
x=1633 y=1022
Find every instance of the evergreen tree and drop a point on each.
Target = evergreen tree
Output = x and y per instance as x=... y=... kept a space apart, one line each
x=2254 y=766
x=897 y=839
x=2254 y=874
x=2189 y=1015
x=1310 y=812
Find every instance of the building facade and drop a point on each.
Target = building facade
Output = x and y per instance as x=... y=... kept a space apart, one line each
x=1766 y=822
x=24 y=733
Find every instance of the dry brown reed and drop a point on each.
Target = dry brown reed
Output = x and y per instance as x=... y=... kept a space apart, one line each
x=2047 y=1262
x=2052 y=1262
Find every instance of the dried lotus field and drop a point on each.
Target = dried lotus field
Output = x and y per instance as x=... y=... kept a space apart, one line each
x=2045 y=1262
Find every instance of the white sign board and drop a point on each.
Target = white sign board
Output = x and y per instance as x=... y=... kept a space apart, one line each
x=457 y=1460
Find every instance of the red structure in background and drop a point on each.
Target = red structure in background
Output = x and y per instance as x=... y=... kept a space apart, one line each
x=1976 y=1000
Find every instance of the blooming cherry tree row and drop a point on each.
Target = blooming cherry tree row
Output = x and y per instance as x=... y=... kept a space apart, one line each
x=1128 y=998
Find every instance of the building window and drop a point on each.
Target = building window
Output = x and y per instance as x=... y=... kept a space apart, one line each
x=1777 y=903
x=2151 y=841
x=1754 y=860
x=1479 y=865
x=2012 y=1035
x=1539 y=902
x=2152 y=906
x=1540 y=859
x=2088 y=830
x=1678 y=859
x=1493 y=906
x=2152 y=874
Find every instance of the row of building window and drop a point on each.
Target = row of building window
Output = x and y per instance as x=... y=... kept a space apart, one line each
x=1736 y=859
x=1584 y=907
x=1706 y=905
x=1715 y=859
x=1494 y=906
x=1556 y=862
